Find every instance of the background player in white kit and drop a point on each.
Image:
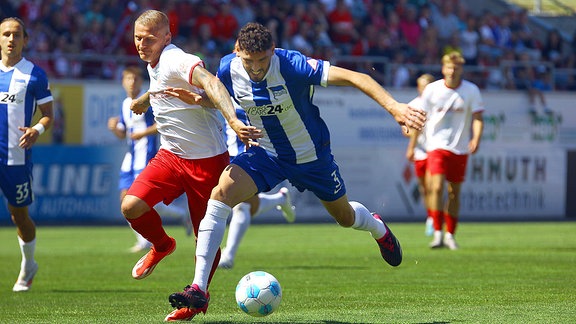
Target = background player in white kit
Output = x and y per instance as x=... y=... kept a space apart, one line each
x=416 y=151
x=23 y=88
x=275 y=88
x=140 y=133
x=453 y=131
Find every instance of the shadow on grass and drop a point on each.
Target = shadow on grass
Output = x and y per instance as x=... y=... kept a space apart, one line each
x=91 y=291
x=291 y=322
x=322 y=267
x=313 y=322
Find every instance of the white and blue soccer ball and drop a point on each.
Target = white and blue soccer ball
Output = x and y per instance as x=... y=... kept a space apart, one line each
x=258 y=293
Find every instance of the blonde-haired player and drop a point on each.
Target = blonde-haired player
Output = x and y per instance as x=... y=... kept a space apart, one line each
x=453 y=131
x=192 y=152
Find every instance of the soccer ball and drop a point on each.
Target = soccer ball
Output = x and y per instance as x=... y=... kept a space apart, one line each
x=258 y=293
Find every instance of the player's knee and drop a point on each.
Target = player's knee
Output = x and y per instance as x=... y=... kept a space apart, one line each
x=230 y=198
x=217 y=193
x=19 y=215
x=453 y=195
x=20 y=220
x=435 y=189
x=133 y=207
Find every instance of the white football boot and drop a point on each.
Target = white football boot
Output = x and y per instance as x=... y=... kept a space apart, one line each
x=437 y=240
x=450 y=242
x=287 y=208
x=24 y=282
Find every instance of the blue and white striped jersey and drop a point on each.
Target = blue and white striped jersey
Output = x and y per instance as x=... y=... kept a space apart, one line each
x=22 y=87
x=142 y=150
x=281 y=104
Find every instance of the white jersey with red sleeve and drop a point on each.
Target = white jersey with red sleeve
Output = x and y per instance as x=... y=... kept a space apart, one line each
x=449 y=115
x=189 y=131
x=420 y=148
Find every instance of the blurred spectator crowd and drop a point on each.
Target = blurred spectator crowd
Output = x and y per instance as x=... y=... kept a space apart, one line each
x=86 y=38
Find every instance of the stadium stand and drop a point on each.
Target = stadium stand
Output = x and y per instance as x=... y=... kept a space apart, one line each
x=393 y=40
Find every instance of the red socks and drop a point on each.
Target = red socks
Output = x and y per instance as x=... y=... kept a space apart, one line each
x=438 y=217
x=451 y=223
x=149 y=225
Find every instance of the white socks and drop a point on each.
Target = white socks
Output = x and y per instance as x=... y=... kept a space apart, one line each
x=142 y=242
x=238 y=226
x=27 y=249
x=366 y=222
x=269 y=201
x=210 y=235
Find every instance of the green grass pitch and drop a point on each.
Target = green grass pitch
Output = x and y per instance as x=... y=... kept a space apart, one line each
x=503 y=273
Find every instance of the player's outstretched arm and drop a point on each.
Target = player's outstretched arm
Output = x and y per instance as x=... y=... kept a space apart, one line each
x=406 y=116
x=220 y=97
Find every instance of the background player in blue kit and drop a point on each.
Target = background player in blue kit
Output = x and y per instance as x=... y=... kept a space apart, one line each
x=141 y=137
x=23 y=88
x=275 y=88
x=140 y=133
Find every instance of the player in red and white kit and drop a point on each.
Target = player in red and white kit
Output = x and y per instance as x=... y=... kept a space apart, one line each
x=453 y=131
x=192 y=152
x=416 y=151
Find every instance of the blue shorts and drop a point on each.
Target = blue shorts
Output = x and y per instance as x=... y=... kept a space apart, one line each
x=322 y=177
x=127 y=178
x=16 y=184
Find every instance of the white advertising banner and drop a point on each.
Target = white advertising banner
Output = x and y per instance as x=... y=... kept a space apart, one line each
x=356 y=120
x=507 y=121
x=519 y=172
x=500 y=184
x=101 y=101
x=515 y=182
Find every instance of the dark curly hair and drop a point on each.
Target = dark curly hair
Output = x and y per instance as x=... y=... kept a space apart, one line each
x=254 y=38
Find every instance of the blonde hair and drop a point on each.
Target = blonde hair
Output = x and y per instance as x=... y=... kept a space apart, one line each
x=427 y=77
x=454 y=58
x=154 y=17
